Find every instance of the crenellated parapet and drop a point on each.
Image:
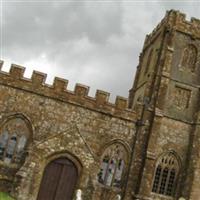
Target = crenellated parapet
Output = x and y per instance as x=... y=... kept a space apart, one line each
x=58 y=90
x=178 y=21
x=175 y=20
x=155 y=33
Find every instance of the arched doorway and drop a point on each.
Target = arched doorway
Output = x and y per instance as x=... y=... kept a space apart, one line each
x=59 y=180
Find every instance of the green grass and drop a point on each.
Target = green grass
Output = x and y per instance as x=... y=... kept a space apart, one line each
x=4 y=196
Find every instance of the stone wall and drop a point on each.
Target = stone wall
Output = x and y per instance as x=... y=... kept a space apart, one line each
x=64 y=123
x=162 y=120
x=169 y=107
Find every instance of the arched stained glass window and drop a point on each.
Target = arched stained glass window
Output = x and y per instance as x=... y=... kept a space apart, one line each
x=14 y=136
x=189 y=57
x=113 y=166
x=166 y=175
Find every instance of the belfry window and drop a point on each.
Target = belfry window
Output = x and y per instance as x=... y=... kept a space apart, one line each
x=13 y=140
x=112 y=166
x=189 y=57
x=166 y=175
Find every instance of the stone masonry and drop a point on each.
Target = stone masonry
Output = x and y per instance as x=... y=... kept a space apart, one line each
x=156 y=128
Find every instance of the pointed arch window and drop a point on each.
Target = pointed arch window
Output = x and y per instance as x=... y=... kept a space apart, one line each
x=14 y=136
x=113 y=166
x=166 y=175
x=189 y=57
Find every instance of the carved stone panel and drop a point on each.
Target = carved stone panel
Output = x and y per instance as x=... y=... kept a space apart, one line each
x=181 y=98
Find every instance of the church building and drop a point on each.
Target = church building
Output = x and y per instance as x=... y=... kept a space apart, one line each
x=57 y=144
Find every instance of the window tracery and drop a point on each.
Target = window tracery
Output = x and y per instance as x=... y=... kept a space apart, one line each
x=13 y=140
x=166 y=175
x=189 y=57
x=113 y=166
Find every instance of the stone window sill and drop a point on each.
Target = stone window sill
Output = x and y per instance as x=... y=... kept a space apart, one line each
x=115 y=189
x=160 y=196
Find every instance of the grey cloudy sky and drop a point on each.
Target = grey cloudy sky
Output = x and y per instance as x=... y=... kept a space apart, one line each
x=96 y=43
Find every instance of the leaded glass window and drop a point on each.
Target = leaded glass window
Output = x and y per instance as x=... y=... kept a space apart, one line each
x=166 y=175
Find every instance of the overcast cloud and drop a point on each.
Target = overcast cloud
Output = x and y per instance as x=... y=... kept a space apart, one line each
x=96 y=43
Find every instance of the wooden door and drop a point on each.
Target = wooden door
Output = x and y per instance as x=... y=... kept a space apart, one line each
x=59 y=180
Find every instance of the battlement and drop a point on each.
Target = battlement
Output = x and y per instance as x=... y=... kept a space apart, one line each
x=175 y=20
x=58 y=90
x=156 y=31
x=178 y=21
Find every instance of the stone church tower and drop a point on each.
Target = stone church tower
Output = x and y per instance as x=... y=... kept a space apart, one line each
x=165 y=96
x=57 y=144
